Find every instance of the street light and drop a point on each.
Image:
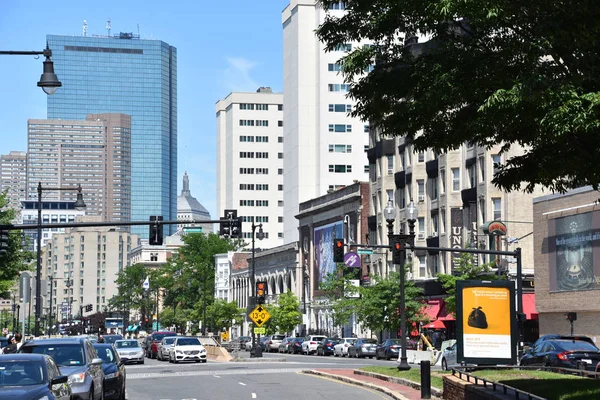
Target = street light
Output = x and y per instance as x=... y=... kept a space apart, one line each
x=260 y=235
x=79 y=205
x=48 y=80
x=412 y=213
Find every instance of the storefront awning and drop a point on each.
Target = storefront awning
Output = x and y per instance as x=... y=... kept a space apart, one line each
x=529 y=306
x=432 y=309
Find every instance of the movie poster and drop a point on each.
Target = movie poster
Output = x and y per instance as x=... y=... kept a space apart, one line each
x=323 y=239
x=571 y=245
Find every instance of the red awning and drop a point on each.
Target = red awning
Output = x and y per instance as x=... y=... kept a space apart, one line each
x=432 y=309
x=437 y=324
x=444 y=315
x=529 y=306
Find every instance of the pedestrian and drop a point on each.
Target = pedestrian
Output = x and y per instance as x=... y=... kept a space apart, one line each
x=436 y=340
x=100 y=339
x=12 y=346
x=18 y=340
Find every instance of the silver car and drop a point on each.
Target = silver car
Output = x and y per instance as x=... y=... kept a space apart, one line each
x=129 y=350
x=449 y=357
x=163 y=348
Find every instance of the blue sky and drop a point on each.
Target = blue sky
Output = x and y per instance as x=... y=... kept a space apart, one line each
x=221 y=47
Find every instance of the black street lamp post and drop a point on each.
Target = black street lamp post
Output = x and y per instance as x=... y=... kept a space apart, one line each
x=260 y=235
x=48 y=81
x=79 y=205
x=409 y=242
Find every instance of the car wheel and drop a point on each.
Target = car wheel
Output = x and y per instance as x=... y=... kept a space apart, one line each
x=377 y=356
x=444 y=365
x=141 y=362
x=170 y=360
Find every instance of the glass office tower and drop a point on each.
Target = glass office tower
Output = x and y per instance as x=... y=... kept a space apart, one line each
x=126 y=74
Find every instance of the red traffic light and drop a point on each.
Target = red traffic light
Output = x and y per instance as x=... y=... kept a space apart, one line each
x=397 y=246
x=261 y=288
x=339 y=243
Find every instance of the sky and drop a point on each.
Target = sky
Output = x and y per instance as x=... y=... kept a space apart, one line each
x=221 y=47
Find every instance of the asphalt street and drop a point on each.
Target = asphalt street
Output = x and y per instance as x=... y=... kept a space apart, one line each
x=247 y=379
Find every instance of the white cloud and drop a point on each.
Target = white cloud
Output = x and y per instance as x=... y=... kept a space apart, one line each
x=237 y=76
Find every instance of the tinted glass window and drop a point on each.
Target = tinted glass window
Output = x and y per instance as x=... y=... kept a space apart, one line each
x=106 y=354
x=63 y=354
x=169 y=340
x=278 y=337
x=127 y=344
x=21 y=373
x=188 y=342
x=571 y=345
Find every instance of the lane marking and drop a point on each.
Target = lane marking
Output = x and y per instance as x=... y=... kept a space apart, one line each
x=154 y=375
x=216 y=376
x=242 y=383
x=253 y=395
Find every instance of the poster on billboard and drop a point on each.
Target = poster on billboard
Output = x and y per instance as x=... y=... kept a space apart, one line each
x=486 y=322
x=323 y=260
x=572 y=242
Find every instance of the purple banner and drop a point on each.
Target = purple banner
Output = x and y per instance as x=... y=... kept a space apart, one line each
x=456 y=233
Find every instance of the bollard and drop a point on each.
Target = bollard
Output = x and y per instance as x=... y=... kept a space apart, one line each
x=426 y=379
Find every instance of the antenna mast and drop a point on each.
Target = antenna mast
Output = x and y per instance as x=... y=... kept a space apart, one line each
x=84 y=27
x=108 y=26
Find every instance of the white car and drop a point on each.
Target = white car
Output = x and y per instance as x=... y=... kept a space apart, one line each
x=309 y=346
x=129 y=350
x=341 y=349
x=187 y=349
x=449 y=357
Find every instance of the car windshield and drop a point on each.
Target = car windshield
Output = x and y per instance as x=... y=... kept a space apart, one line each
x=112 y=338
x=106 y=354
x=188 y=342
x=169 y=340
x=277 y=337
x=370 y=341
x=127 y=344
x=158 y=337
x=63 y=354
x=21 y=373
x=574 y=345
x=395 y=341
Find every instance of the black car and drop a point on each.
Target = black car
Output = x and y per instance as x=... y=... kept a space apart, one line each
x=325 y=348
x=388 y=349
x=114 y=371
x=566 y=353
x=112 y=338
x=32 y=376
x=76 y=358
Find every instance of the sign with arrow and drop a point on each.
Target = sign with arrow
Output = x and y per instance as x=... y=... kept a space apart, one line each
x=259 y=316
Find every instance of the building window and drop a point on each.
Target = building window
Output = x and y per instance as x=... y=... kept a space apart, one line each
x=246 y=106
x=280 y=171
x=245 y=171
x=472 y=175
x=335 y=67
x=340 y=108
x=340 y=168
x=280 y=219
x=497 y=204
x=340 y=5
x=262 y=122
x=367 y=129
x=279 y=107
x=280 y=187
x=422 y=267
x=496 y=162
x=421 y=156
x=366 y=168
x=455 y=179
x=433 y=188
x=279 y=123
x=442 y=181
x=481 y=162
x=262 y=171
x=280 y=139
x=340 y=148
x=347 y=47
x=421 y=190
x=246 y=154
x=280 y=155
x=435 y=224
x=340 y=128
x=280 y=203
x=246 y=122
x=421 y=221
x=435 y=266
x=262 y=107
x=262 y=139
x=390 y=165
x=338 y=87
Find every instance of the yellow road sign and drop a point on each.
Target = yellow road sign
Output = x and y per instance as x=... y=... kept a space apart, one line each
x=260 y=331
x=225 y=336
x=259 y=315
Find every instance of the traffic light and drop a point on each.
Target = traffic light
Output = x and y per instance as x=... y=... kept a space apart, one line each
x=3 y=242
x=228 y=221
x=88 y=308
x=397 y=249
x=156 y=232
x=572 y=316
x=261 y=291
x=236 y=228
x=338 y=250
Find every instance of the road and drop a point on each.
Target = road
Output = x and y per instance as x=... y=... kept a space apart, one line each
x=250 y=379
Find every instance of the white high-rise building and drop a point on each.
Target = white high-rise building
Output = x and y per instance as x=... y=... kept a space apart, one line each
x=13 y=177
x=250 y=162
x=324 y=148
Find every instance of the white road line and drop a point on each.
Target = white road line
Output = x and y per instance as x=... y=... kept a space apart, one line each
x=242 y=383
x=216 y=376
x=253 y=395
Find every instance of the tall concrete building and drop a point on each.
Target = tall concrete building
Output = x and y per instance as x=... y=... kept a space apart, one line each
x=95 y=153
x=250 y=162
x=125 y=74
x=324 y=148
x=81 y=277
x=13 y=177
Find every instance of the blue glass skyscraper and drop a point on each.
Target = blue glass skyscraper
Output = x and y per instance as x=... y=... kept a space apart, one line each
x=125 y=74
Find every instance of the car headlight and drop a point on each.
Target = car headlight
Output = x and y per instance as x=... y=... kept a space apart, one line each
x=113 y=375
x=77 y=378
x=202 y=351
x=179 y=351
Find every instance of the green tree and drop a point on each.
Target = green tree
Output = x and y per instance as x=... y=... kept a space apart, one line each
x=16 y=259
x=220 y=314
x=494 y=73
x=286 y=315
x=379 y=306
x=131 y=295
x=464 y=269
x=341 y=294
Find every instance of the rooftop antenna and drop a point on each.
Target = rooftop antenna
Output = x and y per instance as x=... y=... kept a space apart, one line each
x=84 y=27
x=108 y=26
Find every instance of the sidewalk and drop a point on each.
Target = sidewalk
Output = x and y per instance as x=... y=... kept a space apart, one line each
x=394 y=390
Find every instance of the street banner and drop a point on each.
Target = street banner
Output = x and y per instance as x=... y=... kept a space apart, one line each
x=486 y=322
x=146 y=283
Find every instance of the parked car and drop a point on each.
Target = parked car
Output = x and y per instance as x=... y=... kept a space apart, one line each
x=112 y=338
x=388 y=349
x=272 y=344
x=449 y=357
x=285 y=343
x=32 y=376
x=555 y=336
x=114 y=371
x=310 y=343
x=187 y=348
x=163 y=348
x=341 y=348
x=238 y=343
x=566 y=353
x=362 y=348
x=76 y=358
x=153 y=340
x=325 y=348
x=129 y=350
x=295 y=345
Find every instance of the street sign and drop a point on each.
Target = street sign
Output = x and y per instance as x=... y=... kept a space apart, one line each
x=365 y=251
x=192 y=230
x=259 y=315
x=225 y=336
x=260 y=331
x=351 y=260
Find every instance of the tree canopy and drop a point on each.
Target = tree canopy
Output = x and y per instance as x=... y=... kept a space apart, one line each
x=492 y=72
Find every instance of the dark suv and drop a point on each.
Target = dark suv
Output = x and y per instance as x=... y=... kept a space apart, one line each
x=152 y=341
x=76 y=358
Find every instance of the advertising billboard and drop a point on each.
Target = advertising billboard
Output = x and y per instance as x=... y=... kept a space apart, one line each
x=323 y=260
x=573 y=247
x=486 y=322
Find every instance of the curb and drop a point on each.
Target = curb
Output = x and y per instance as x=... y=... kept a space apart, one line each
x=393 y=394
x=436 y=393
